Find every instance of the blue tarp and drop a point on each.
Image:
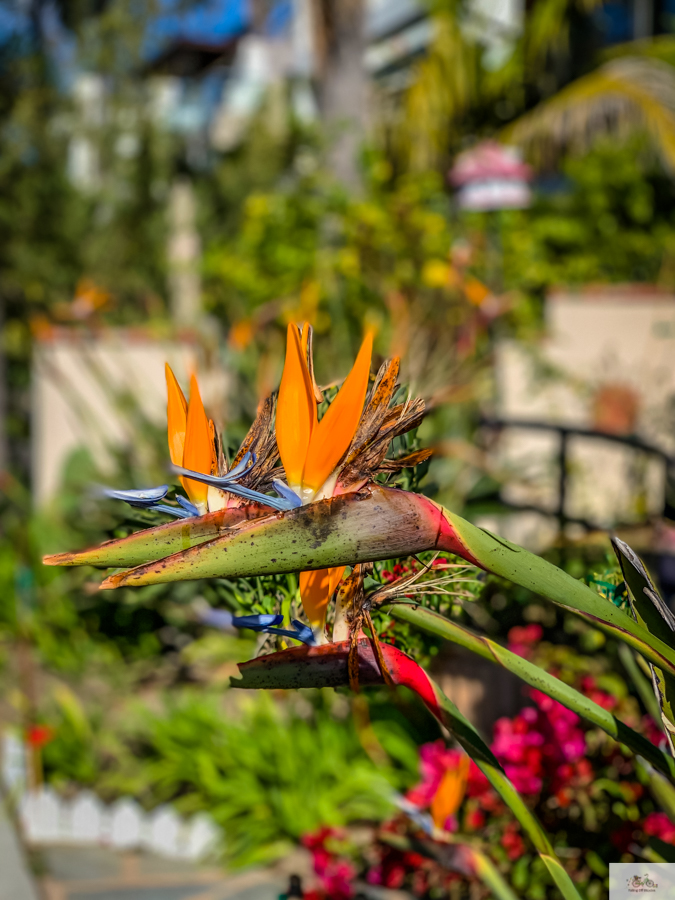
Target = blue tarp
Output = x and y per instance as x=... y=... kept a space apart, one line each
x=210 y=22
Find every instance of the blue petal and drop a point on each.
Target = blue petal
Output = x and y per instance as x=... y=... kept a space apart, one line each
x=149 y=499
x=190 y=508
x=422 y=819
x=257 y=623
x=216 y=618
x=287 y=493
x=304 y=632
x=242 y=467
x=173 y=511
x=223 y=619
x=223 y=484
x=143 y=498
x=300 y=632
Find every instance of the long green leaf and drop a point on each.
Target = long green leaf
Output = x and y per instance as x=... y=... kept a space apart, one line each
x=433 y=623
x=162 y=540
x=497 y=555
x=490 y=875
x=662 y=790
x=653 y=614
x=645 y=688
x=453 y=719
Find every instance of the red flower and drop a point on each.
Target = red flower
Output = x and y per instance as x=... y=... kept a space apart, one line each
x=652 y=731
x=39 y=735
x=517 y=745
x=521 y=640
x=512 y=842
x=623 y=837
x=593 y=692
x=474 y=819
x=395 y=866
x=335 y=875
x=478 y=785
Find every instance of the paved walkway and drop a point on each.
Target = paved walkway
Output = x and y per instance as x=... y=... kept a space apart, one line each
x=15 y=884
x=98 y=874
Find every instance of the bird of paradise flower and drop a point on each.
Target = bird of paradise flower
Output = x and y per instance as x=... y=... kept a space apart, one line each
x=320 y=458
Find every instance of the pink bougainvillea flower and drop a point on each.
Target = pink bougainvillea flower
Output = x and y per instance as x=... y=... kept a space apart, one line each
x=444 y=779
x=518 y=745
x=657 y=824
x=335 y=873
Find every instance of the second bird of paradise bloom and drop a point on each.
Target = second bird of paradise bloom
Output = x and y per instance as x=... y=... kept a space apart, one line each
x=192 y=441
x=445 y=775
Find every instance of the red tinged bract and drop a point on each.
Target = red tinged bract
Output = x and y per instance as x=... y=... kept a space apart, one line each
x=326 y=666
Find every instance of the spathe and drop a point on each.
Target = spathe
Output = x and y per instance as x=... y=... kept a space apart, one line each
x=160 y=541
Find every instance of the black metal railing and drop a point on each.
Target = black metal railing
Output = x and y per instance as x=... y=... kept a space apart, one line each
x=565 y=432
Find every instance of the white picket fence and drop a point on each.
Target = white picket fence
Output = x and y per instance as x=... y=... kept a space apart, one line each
x=47 y=818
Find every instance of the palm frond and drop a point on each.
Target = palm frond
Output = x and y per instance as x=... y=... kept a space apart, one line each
x=627 y=94
x=661 y=46
x=444 y=88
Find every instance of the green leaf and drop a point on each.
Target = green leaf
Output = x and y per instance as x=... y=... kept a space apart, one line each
x=433 y=623
x=644 y=687
x=497 y=555
x=490 y=875
x=664 y=850
x=163 y=540
x=652 y=613
x=662 y=790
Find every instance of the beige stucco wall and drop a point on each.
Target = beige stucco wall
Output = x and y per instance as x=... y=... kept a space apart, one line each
x=612 y=335
x=75 y=380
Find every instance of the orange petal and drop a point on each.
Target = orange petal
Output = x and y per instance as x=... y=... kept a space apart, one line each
x=199 y=454
x=296 y=409
x=316 y=589
x=450 y=793
x=177 y=417
x=335 y=431
x=307 y=341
